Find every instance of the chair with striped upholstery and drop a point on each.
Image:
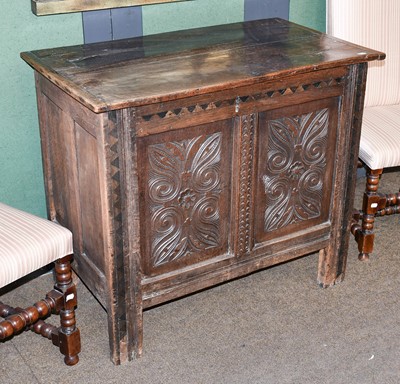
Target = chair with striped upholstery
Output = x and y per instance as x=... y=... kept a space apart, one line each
x=28 y=243
x=374 y=24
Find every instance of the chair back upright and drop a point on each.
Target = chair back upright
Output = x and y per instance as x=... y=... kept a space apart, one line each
x=374 y=24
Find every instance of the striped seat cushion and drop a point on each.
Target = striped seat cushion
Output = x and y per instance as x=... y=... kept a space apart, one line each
x=380 y=136
x=375 y=24
x=28 y=242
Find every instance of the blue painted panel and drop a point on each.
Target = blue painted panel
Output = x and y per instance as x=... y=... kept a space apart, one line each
x=262 y=9
x=112 y=24
x=126 y=22
x=97 y=26
x=120 y=23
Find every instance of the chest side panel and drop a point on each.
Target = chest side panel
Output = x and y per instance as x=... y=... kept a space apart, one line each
x=72 y=151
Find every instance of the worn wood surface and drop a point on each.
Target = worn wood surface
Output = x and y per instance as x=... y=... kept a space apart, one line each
x=51 y=7
x=169 y=66
x=183 y=160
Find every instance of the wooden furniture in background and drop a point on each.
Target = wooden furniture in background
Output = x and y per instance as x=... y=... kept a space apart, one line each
x=374 y=24
x=51 y=7
x=28 y=243
x=186 y=159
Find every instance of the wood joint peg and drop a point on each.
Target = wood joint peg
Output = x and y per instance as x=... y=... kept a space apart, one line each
x=382 y=201
x=57 y=298
x=356 y=215
x=55 y=337
x=371 y=204
x=70 y=298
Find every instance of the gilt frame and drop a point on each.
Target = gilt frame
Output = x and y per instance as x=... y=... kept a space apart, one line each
x=51 y=7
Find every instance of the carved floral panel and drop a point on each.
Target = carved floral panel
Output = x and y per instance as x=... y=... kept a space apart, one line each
x=184 y=195
x=295 y=170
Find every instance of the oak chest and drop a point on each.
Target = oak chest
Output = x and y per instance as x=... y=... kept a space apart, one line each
x=186 y=159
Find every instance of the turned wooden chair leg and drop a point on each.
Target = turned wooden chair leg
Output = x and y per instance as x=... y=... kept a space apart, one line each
x=365 y=235
x=68 y=336
x=62 y=301
x=27 y=243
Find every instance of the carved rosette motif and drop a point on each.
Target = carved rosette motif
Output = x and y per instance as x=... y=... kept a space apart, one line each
x=293 y=181
x=184 y=190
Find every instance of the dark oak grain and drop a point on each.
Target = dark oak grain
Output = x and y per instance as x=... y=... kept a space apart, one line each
x=187 y=159
x=170 y=66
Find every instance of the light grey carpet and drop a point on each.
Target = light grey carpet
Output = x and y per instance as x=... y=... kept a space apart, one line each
x=275 y=326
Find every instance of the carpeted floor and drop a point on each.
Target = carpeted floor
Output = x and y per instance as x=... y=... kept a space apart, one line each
x=275 y=326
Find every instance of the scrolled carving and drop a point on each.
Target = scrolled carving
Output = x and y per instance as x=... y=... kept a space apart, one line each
x=293 y=182
x=206 y=164
x=206 y=219
x=315 y=137
x=166 y=230
x=279 y=194
x=164 y=184
x=310 y=192
x=184 y=190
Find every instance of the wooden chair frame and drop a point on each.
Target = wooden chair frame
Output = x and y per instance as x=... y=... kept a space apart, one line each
x=374 y=205
x=62 y=301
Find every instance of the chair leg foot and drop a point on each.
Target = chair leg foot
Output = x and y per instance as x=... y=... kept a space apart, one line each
x=70 y=346
x=67 y=336
x=71 y=360
x=364 y=234
x=363 y=256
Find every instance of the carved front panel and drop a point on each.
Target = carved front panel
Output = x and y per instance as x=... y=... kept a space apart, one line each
x=295 y=168
x=186 y=195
